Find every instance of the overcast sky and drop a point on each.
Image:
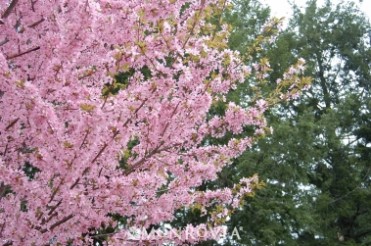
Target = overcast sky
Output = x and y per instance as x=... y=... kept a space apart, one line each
x=282 y=8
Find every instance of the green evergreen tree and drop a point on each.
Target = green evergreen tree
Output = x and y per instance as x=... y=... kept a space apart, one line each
x=316 y=165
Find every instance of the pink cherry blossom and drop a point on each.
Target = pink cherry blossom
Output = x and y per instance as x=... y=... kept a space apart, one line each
x=57 y=58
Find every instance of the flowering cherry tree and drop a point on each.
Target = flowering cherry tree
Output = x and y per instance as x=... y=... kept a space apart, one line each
x=104 y=110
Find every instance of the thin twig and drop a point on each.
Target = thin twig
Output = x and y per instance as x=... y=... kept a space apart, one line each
x=36 y=23
x=22 y=53
x=6 y=149
x=85 y=137
x=100 y=152
x=44 y=221
x=11 y=124
x=58 y=223
x=153 y=152
x=55 y=207
x=75 y=183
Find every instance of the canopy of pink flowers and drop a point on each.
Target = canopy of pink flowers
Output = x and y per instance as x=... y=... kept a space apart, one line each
x=56 y=59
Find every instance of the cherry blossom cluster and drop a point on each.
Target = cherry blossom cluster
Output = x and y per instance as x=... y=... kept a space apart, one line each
x=73 y=150
x=292 y=84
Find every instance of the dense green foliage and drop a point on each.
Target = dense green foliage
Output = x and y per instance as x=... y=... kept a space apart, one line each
x=316 y=165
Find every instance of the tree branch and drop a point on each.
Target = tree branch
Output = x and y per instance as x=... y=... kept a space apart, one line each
x=9 y=9
x=22 y=53
x=11 y=124
x=36 y=23
x=58 y=223
x=100 y=152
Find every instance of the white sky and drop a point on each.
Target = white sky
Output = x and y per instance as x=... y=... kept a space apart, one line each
x=281 y=8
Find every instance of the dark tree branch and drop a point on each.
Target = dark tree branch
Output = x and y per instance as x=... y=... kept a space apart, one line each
x=323 y=83
x=22 y=53
x=36 y=23
x=9 y=9
x=58 y=223
x=11 y=124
